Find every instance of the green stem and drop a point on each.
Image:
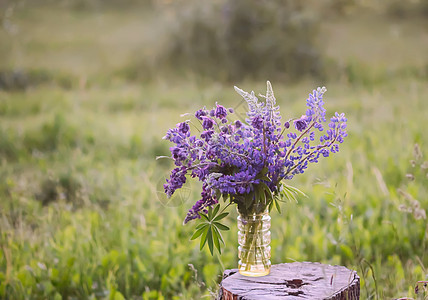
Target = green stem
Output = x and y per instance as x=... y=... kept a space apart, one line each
x=251 y=241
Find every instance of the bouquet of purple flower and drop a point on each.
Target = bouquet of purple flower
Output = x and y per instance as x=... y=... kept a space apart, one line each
x=247 y=162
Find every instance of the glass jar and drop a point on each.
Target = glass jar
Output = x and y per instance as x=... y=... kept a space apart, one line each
x=254 y=240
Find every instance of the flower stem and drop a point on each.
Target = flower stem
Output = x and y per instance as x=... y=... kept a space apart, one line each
x=254 y=244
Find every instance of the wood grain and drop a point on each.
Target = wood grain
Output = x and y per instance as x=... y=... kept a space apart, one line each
x=298 y=280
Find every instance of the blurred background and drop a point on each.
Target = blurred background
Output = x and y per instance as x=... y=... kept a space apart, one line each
x=88 y=89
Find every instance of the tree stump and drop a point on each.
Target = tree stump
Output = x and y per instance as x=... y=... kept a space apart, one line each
x=298 y=280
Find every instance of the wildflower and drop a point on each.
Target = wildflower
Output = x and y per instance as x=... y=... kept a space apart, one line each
x=200 y=113
x=207 y=123
x=231 y=158
x=257 y=123
x=301 y=124
x=184 y=127
x=220 y=112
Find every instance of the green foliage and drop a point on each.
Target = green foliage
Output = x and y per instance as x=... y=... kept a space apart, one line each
x=209 y=229
x=18 y=80
x=8 y=148
x=250 y=39
x=66 y=187
x=117 y=239
x=96 y=143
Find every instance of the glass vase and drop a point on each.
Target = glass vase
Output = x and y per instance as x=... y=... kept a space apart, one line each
x=254 y=240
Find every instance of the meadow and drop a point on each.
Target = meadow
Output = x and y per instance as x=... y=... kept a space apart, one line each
x=81 y=215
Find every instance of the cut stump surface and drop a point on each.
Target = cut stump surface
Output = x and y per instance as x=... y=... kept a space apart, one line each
x=298 y=280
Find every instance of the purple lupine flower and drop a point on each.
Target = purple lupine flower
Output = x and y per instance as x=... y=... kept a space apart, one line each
x=178 y=153
x=206 y=201
x=257 y=122
x=220 y=112
x=176 y=181
x=229 y=157
x=301 y=123
x=184 y=127
x=207 y=134
x=200 y=113
x=207 y=123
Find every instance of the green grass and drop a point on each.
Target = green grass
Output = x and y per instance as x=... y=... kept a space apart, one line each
x=80 y=216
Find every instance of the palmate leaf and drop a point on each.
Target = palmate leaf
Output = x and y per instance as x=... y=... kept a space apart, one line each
x=214 y=212
x=210 y=240
x=221 y=226
x=219 y=234
x=199 y=230
x=209 y=229
x=203 y=238
x=220 y=216
x=204 y=216
x=216 y=239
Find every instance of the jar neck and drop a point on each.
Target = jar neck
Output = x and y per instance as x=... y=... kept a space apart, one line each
x=251 y=214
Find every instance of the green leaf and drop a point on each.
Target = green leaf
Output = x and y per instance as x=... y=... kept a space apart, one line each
x=263 y=177
x=280 y=198
x=201 y=225
x=264 y=171
x=290 y=192
x=210 y=214
x=278 y=208
x=210 y=241
x=225 y=197
x=219 y=235
x=203 y=239
x=220 y=216
x=262 y=174
x=216 y=209
x=270 y=206
x=260 y=193
x=204 y=216
x=221 y=226
x=199 y=231
x=295 y=190
x=267 y=192
x=288 y=195
x=249 y=200
x=216 y=239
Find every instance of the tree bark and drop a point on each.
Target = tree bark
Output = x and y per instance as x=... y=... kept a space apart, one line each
x=298 y=280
